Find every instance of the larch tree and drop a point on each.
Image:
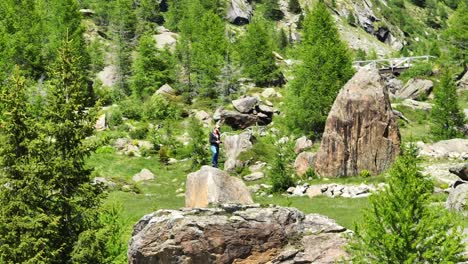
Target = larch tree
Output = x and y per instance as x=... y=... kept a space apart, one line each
x=150 y=68
x=209 y=46
x=402 y=226
x=325 y=68
x=457 y=35
x=256 y=53
x=447 y=117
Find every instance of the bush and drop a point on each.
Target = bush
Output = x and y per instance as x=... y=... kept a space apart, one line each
x=417 y=70
x=139 y=132
x=163 y=155
x=365 y=174
x=114 y=118
x=159 y=108
x=280 y=173
x=105 y=150
x=132 y=108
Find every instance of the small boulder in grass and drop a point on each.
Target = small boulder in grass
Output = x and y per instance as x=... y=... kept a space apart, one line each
x=143 y=175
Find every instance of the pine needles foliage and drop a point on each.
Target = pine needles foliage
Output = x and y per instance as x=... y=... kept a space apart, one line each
x=325 y=68
x=402 y=226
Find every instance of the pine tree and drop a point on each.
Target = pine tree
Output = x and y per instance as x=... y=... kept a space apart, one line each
x=325 y=68
x=25 y=222
x=150 y=68
x=457 y=35
x=446 y=114
x=282 y=39
x=256 y=55
x=402 y=226
x=73 y=199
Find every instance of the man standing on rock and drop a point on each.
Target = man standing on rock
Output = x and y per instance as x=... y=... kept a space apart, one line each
x=215 y=140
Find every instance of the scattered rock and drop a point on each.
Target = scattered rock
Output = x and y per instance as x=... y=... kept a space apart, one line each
x=101 y=123
x=166 y=89
x=461 y=171
x=269 y=93
x=87 y=12
x=268 y=110
x=440 y=171
x=236 y=234
x=393 y=84
x=165 y=38
x=254 y=176
x=302 y=143
x=210 y=186
x=457 y=199
x=456 y=148
x=239 y=12
x=300 y=190
x=128 y=146
x=463 y=82
x=416 y=89
x=108 y=76
x=143 y=175
x=245 y=105
x=108 y=184
x=235 y=145
x=236 y=120
x=400 y=115
x=416 y=105
x=258 y=166
x=203 y=117
x=314 y=190
x=361 y=131
x=304 y=162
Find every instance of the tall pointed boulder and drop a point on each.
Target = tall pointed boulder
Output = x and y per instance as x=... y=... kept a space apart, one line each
x=361 y=131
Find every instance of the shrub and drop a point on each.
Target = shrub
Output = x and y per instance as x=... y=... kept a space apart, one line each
x=132 y=108
x=105 y=149
x=114 y=118
x=163 y=155
x=365 y=174
x=159 y=108
x=139 y=132
x=280 y=173
x=417 y=70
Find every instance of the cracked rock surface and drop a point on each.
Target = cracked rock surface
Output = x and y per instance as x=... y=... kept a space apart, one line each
x=361 y=131
x=236 y=234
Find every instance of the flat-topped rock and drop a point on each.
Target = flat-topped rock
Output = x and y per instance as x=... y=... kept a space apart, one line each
x=234 y=233
x=211 y=186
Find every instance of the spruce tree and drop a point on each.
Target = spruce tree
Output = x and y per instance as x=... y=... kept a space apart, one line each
x=25 y=223
x=402 y=226
x=447 y=117
x=256 y=54
x=325 y=68
x=73 y=199
x=272 y=10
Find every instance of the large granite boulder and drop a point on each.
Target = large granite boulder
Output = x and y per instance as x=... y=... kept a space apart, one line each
x=235 y=145
x=166 y=89
x=211 y=186
x=361 y=131
x=245 y=105
x=236 y=234
x=416 y=89
x=302 y=143
x=108 y=76
x=239 y=12
x=457 y=199
x=165 y=39
x=461 y=171
x=456 y=148
x=235 y=120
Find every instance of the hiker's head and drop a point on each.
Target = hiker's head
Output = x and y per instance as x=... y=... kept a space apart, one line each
x=216 y=128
